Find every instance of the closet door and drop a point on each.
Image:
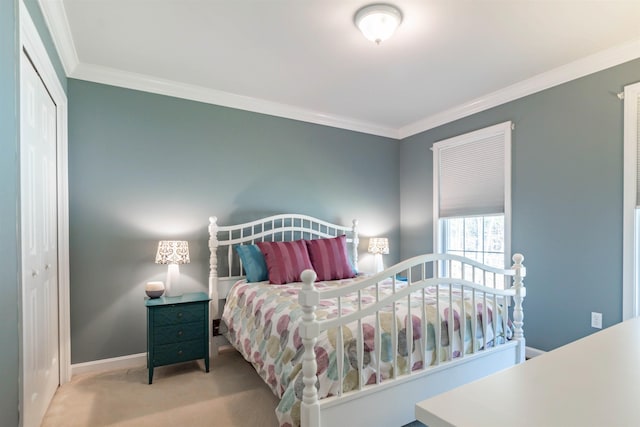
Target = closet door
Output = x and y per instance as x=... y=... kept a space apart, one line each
x=39 y=245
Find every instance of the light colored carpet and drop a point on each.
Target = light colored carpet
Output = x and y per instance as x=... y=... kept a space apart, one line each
x=230 y=395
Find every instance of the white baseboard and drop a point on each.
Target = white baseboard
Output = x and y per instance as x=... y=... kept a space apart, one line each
x=122 y=362
x=533 y=352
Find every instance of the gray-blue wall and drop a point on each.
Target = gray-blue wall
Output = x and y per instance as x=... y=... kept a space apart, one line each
x=8 y=212
x=9 y=197
x=45 y=36
x=145 y=167
x=566 y=194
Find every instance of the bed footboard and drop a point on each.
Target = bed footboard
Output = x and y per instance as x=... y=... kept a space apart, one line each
x=446 y=300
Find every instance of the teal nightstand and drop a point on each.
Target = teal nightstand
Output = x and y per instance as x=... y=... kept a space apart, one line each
x=177 y=330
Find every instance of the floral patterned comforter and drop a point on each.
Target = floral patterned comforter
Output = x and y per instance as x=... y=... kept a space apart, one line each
x=263 y=320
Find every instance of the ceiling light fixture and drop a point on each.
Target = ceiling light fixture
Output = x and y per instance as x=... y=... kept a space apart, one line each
x=378 y=22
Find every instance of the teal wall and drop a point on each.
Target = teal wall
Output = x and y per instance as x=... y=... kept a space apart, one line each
x=566 y=194
x=8 y=212
x=9 y=197
x=146 y=167
x=38 y=19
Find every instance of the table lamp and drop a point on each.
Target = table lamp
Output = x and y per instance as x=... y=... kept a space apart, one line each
x=173 y=253
x=378 y=246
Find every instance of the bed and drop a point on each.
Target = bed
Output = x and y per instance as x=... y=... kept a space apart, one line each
x=358 y=349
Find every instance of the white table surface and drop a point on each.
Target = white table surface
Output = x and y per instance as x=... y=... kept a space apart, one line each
x=594 y=381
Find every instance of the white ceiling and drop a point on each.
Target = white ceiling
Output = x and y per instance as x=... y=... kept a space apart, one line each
x=305 y=59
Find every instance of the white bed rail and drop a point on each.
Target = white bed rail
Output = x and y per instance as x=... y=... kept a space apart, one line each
x=488 y=290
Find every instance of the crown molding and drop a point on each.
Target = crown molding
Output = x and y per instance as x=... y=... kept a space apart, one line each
x=55 y=17
x=574 y=70
x=145 y=83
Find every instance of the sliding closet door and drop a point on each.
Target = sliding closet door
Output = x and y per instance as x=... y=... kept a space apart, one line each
x=38 y=193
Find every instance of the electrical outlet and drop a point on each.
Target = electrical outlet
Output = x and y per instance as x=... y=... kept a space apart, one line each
x=596 y=320
x=215 y=329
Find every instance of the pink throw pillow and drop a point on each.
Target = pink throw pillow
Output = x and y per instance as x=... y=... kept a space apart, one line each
x=285 y=260
x=329 y=258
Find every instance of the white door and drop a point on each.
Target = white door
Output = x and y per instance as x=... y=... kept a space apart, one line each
x=41 y=370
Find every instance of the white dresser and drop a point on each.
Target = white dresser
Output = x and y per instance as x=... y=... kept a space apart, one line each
x=594 y=381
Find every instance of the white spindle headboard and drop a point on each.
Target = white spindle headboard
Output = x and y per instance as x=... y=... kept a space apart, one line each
x=225 y=266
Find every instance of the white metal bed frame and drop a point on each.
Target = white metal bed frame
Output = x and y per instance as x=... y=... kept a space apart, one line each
x=388 y=402
x=283 y=227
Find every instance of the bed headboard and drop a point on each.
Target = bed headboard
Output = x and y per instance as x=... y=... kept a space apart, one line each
x=225 y=267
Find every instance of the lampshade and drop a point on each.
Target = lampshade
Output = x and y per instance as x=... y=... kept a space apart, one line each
x=173 y=252
x=378 y=22
x=379 y=245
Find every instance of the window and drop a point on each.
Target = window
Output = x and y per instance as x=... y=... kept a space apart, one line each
x=472 y=196
x=631 y=203
x=480 y=238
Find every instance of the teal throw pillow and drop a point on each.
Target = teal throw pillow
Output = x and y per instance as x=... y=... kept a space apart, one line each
x=255 y=267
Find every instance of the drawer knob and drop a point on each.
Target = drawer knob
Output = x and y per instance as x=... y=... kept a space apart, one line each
x=180 y=315
x=179 y=352
x=180 y=333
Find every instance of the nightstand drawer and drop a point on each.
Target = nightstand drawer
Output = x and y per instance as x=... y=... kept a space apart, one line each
x=178 y=333
x=177 y=314
x=178 y=352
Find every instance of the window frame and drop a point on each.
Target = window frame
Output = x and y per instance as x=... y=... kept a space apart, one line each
x=630 y=214
x=503 y=129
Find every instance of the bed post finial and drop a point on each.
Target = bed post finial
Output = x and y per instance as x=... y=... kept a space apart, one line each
x=518 y=314
x=309 y=331
x=356 y=242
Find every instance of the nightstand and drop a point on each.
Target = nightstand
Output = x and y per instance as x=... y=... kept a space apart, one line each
x=177 y=330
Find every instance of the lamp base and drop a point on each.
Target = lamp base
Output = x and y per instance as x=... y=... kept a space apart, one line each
x=173 y=276
x=378 y=264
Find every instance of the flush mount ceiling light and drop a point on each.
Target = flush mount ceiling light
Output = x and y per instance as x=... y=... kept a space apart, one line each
x=378 y=22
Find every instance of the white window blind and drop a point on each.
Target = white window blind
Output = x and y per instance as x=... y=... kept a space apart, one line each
x=472 y=171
